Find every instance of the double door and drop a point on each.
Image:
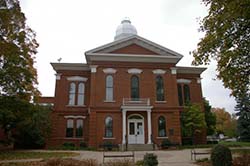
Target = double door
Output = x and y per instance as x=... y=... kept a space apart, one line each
x=136 y=131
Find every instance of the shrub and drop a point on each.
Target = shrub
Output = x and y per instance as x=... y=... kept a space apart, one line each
x=165 y=143
x=139 y=163
x=221 y=156
x=68 y=146
x=122 y=162
x=242 y=160
x=83 y=145
x=150 y=159
x=70 y=162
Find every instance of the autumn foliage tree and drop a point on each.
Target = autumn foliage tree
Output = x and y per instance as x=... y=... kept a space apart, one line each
x=18 y=45
x=24 y=124
x=225 y=122
x=227 y=40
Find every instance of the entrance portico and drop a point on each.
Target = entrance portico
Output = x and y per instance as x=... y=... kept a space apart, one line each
x=135 y=122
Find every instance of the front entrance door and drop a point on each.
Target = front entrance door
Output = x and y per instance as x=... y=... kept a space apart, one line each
x=136 y=131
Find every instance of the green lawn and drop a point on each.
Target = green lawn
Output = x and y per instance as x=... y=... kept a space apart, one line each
x=12 y=155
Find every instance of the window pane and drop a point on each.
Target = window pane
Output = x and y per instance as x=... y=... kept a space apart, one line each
x=80 y=99
x=135 y=87
x=79 y=128
x=161 y=127
x=108 y=127
x=159 y=89
x=109 y=88
x=72 y=91
x=132 y=128
x=81 y=88
x=109 y=81
x=69 y=128
x=180 y=95
x=186 y=94
x=109 y=94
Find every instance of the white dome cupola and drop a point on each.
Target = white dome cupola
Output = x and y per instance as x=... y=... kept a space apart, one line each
x=125 y=29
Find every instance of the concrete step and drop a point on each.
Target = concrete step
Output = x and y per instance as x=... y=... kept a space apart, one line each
x=140 y=147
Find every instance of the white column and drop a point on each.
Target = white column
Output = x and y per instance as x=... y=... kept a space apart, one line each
x=124 y=126
x=149 y=127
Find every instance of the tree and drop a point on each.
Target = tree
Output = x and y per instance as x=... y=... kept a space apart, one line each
x=210 y=118
x=192 y=120
x=243 y=111
x=18 y=45
x=25 y=124
x=227 y=40
x=225 y=122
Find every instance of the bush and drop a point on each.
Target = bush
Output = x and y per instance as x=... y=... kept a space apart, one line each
x=70 y=162
x=83 y=145
x=221 y=156
x=150 y=159
x=122 y=162
x=165 y=143
x=242 y=160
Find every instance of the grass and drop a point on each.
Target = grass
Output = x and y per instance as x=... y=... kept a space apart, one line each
x=13 y=155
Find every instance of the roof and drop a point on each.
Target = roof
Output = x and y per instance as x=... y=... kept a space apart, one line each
x=104 y=53
x=70 y=66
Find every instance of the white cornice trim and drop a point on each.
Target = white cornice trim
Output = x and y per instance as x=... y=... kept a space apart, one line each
x=93 y=68
x=77 y=78
x=109 y=71
x=131 y=58
x=198 y=80
x=58 y=76
x=134 y=71
x=190 y=70
x=70 y=66
x=184 y=81
x=75 y=117
x=173 y=70
x=159 y=71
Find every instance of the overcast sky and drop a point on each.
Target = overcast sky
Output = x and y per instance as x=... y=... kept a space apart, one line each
x=66 y=29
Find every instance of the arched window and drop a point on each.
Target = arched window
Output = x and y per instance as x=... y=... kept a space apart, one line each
x=108 y=127
x=72 y=93
x=135 y=87
x=109 y=88
x=80 y=97
x=159 y=89
x=79 y=128
x=162 y=127
x=186 y=93
x=70 y=128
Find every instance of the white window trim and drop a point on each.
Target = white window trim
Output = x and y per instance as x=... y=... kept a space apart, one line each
x=159 y=71
x=77 y=78
x=109 y=71
x=134 y=71
x=74 y=117
x=184 y=81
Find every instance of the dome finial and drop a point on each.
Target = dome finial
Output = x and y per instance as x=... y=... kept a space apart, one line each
x=125 y=29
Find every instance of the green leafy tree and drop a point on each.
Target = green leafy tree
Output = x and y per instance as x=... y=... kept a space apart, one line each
x=227 y=40
x=18 y=46
x=193 y=120
x=25 y=124
x=210 y=118
x=243 y=111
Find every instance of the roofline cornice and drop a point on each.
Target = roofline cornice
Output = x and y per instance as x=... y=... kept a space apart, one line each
x=190 y=70
x=131 y=58
x=70 y=66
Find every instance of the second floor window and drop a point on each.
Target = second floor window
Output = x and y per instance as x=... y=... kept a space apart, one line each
x=80 y=97
x=72 y=93
x=76 y=93
x=159 y=89
x=135 y=88
x=183 y=94
x=109 y=88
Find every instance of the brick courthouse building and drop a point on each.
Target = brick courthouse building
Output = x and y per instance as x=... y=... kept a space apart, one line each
x=130 y=91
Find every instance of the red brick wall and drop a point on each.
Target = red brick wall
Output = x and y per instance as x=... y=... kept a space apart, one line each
x=134 y=49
